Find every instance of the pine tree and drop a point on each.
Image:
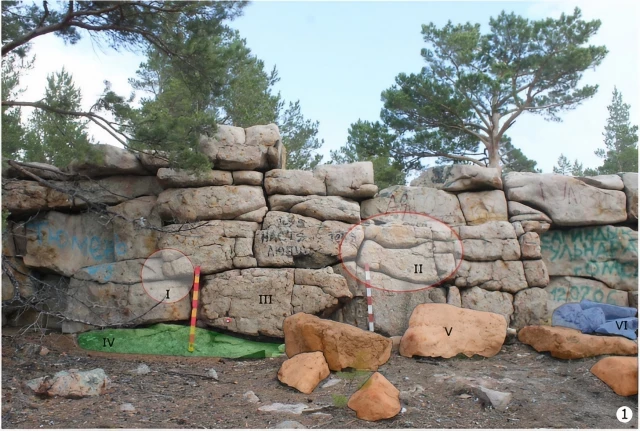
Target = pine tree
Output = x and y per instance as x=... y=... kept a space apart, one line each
x=53 y=138
x=620 y=139
x=564 y=166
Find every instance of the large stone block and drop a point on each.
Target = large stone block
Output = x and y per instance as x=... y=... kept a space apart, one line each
x=318 y=291
x=247 y=178
x=606 y=253
x=442 y=330
x=630 y=180
x=319 y=207
x=64 y=243
x=209 y=203
x=109 y=160
x=256 y=301
x=138 y=230
x=479 y=299
x=392 y=306
x=343 y=345
x=609 y=182
x=117 y=304
x=28 y=197
x=530 y=308
x=569 y=343
x=353 y=180
x=574 y=289
x=215 y=246
x=535 y=271
x=434 y=203
x=530 y=245
x=250 y=301
x=520 y=212
x=458 y=178
x=483 y=207
x=497 y=275
x=294 y=182
x=234 y=148
x=288 y=240
x=567 y=200
x=179 y=178
x=43 y=170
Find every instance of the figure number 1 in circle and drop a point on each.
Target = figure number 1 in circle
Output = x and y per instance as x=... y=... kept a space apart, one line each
x=624 y=414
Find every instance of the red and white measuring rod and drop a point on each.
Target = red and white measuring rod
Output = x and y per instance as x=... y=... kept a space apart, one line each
x=194 y=308
x=367 y=278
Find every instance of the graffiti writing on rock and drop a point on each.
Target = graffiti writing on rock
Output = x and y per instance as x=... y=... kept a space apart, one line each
x=288 y=250
x=97 y=247
x=589 y=244
x=578 y=293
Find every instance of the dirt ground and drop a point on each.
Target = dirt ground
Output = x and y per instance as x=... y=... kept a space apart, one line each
x=547 y=392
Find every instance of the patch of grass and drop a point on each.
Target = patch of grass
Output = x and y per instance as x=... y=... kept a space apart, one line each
x=339 y=401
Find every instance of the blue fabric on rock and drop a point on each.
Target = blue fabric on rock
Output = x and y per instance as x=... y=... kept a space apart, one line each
x=593 y=317
x=572 y=315
x=611 y=312
x=626 y=327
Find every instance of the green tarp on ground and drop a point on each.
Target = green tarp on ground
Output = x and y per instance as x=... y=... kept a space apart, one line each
x=163 y=339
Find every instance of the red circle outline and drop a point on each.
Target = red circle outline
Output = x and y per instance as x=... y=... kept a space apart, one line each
x=400 y=291
x=142 y=279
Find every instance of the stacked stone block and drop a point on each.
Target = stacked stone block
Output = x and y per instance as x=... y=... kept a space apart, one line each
x=272 y=242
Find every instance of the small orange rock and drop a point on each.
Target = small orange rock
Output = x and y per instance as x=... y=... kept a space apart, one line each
x=620 y=373
x=377 y=399
x=304 y=371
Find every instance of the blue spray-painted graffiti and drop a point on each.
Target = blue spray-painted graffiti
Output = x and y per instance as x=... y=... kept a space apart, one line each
x=96 y=247
x=102 y=272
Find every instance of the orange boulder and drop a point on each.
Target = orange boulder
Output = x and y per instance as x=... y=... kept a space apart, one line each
x=620 y=373
x=343 y=346
x=377 y=399
x=443 y=330
x=569 y=343
x=304 y=371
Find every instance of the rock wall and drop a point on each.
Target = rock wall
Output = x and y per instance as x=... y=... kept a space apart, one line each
x=272 y=242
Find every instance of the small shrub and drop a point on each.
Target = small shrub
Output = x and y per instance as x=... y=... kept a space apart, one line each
x=339 y=401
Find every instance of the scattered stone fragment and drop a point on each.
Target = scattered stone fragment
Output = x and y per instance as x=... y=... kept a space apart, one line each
x=142 y=369
x=72 y=384
x=251 y=397
x=213 y=374
x=489 y=397
x=442 y=330
x=295 y=409
x=331 y=382
x=127 y=407
x=304 y=371
x=377 y=399
x=290 y=425
x=343 y=345
x=620 y=373
x=44 y=351
x=569 y=343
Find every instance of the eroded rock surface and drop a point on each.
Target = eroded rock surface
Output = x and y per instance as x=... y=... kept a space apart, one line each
x=442 y=330
x=344 y=346
x=569 y=343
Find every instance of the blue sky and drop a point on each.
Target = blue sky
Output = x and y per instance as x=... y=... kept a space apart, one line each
x=337 y=57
